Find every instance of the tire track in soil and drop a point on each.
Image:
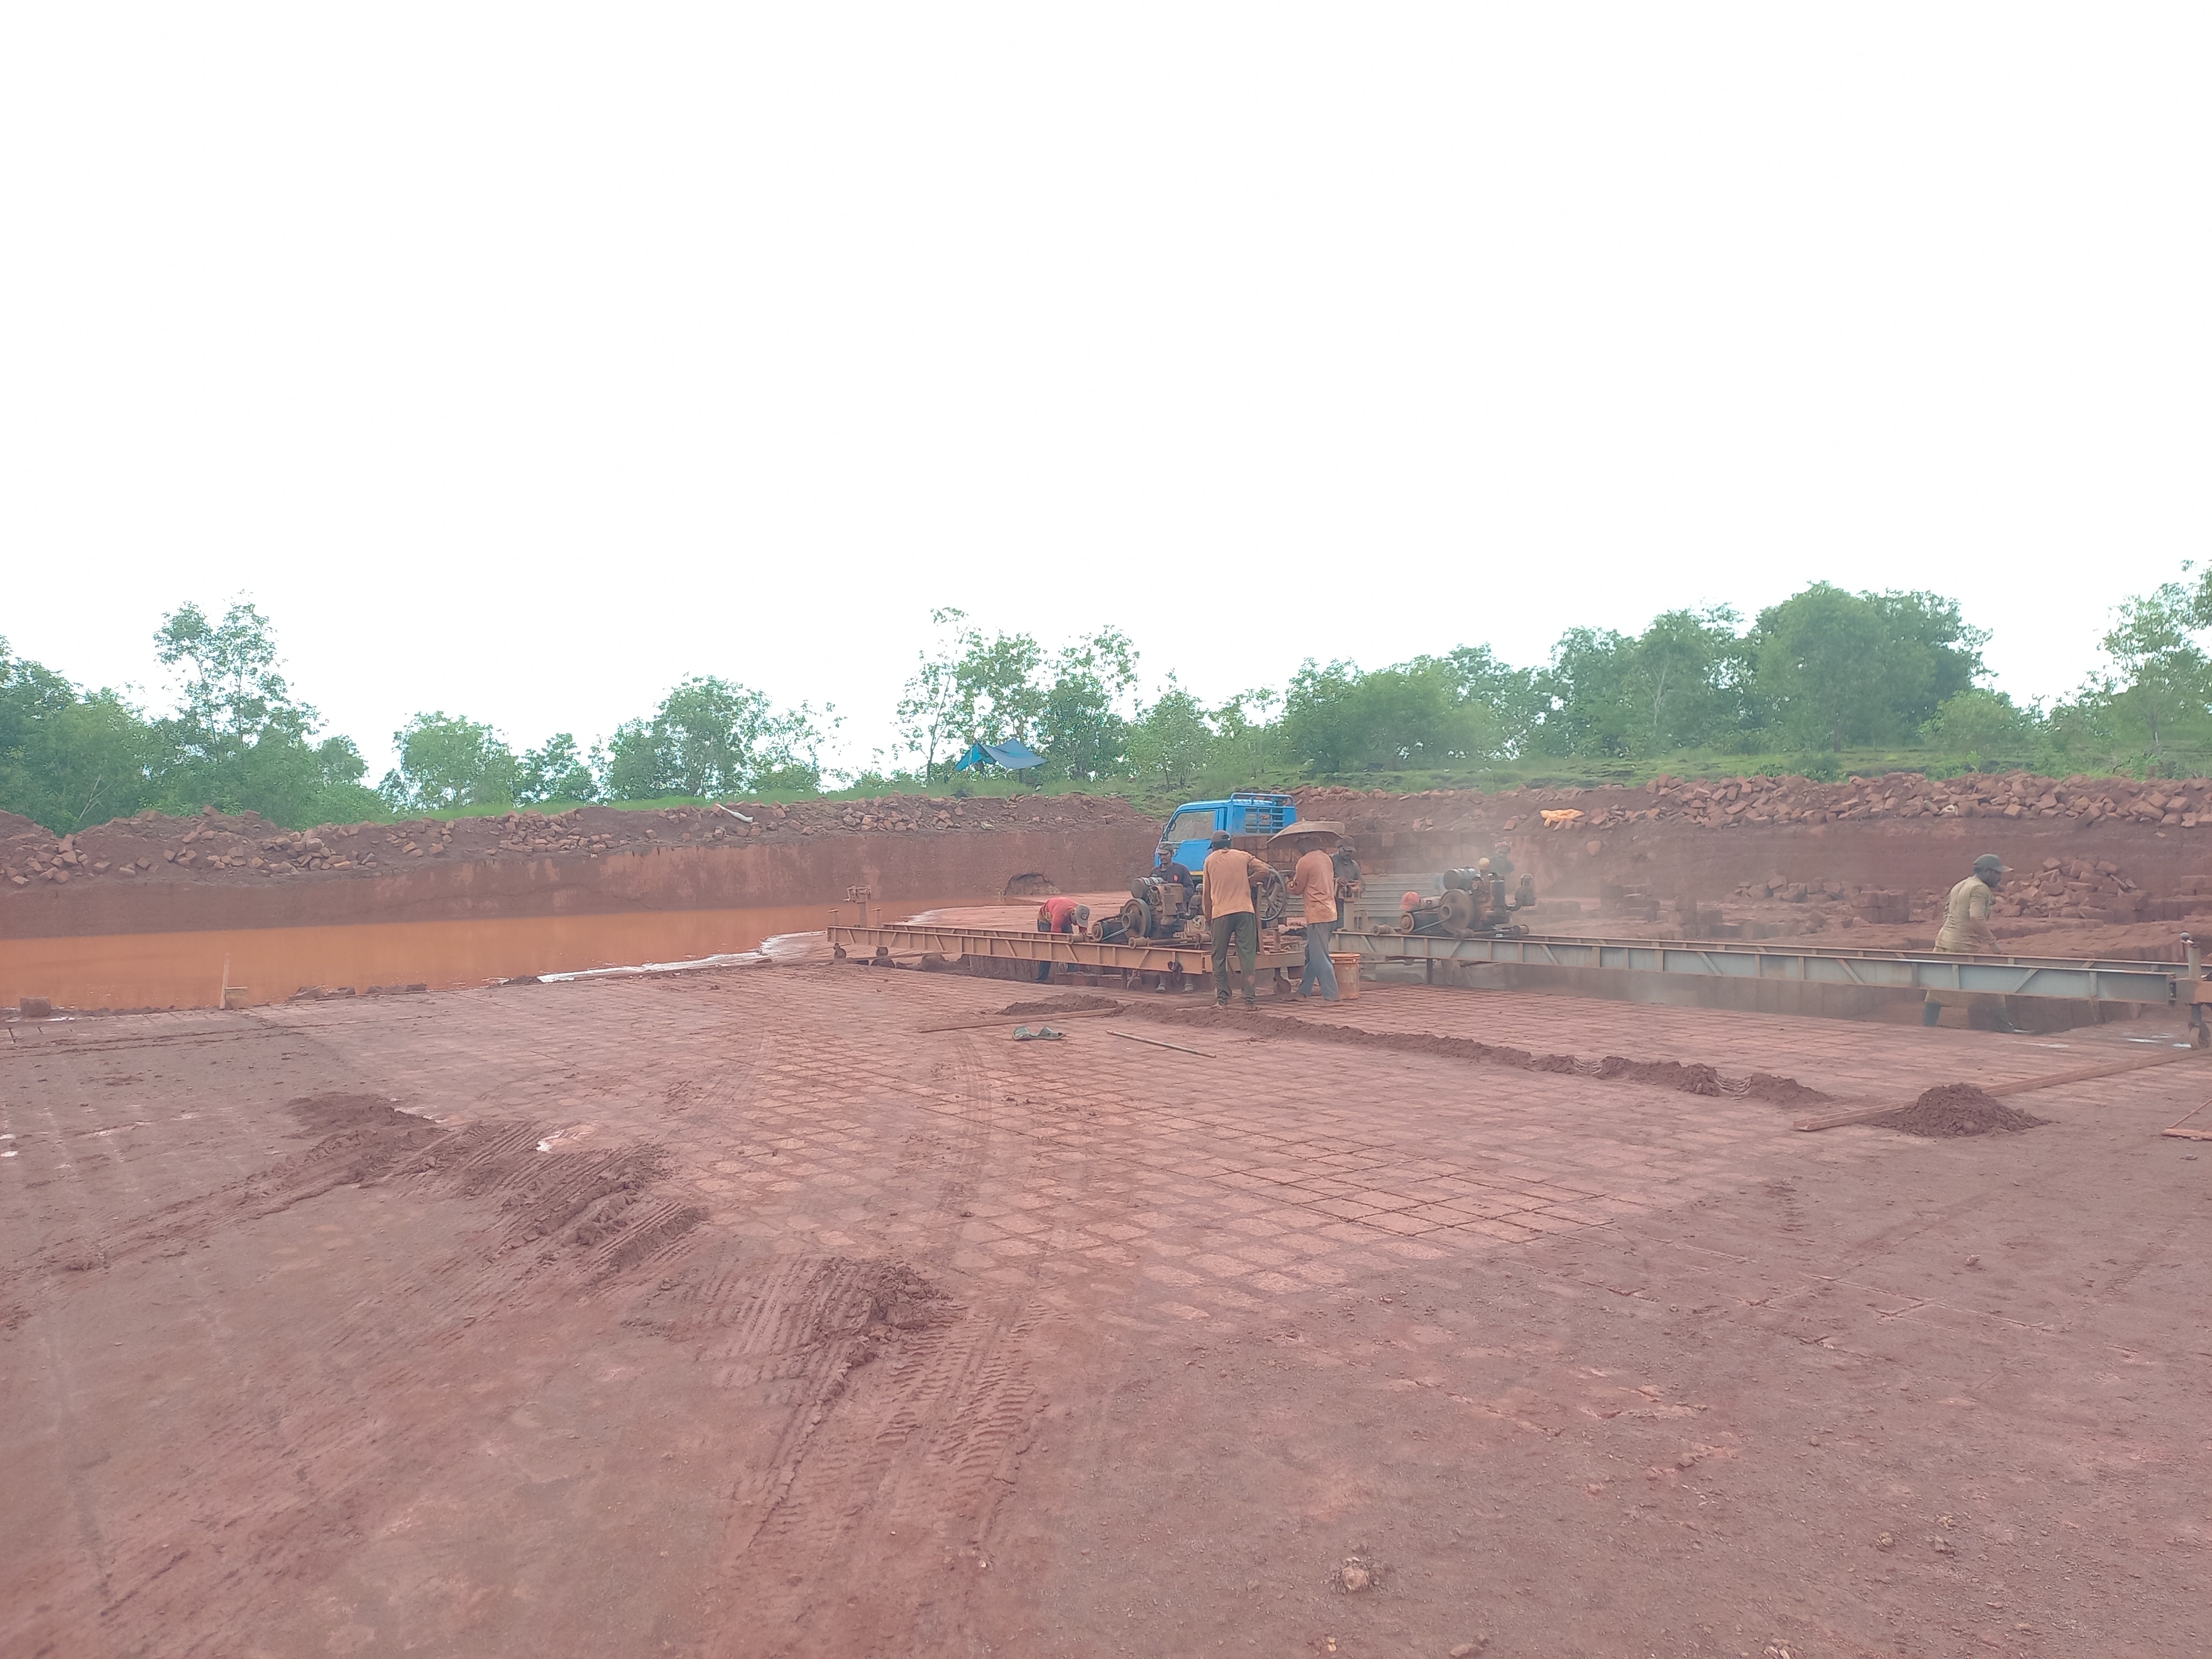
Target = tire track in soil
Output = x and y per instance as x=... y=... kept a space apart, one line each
x=2160 y=1246
x=66 y=1387
x=963 y=1148
x=1867 y=1251
x=144 y=1562
x=283 y=1482
x=207 y=1341
x=905 y=1411
x=903 y=1415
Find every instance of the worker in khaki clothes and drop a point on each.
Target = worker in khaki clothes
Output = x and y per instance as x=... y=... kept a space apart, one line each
x=1227 y=877
x=1966 y=933
x=1314 y=881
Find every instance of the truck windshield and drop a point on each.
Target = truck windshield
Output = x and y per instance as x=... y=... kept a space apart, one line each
x=1189 y=826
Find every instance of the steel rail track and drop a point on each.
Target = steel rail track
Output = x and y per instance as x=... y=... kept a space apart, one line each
x=2089 y=981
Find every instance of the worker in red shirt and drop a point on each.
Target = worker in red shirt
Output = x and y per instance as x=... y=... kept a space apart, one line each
x=1060 y=915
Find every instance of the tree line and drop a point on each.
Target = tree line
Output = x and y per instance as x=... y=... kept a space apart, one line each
x=1822 y=673
x=240 y=740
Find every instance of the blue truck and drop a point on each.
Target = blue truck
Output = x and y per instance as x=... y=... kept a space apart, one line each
x=1247 y=812
x=1163 y=905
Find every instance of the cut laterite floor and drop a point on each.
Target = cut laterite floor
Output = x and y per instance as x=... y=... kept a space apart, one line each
x=735 y=1314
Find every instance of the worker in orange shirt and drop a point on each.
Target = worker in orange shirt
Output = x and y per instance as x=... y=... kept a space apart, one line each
x=1227 y=878
x=1313 y=880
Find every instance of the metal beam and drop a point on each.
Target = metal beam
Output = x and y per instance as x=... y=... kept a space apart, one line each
x=1895 y=970
x=1013 y=944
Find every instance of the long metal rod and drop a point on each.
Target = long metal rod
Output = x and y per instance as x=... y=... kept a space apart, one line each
x=1156 y=1043
x=2091 y=981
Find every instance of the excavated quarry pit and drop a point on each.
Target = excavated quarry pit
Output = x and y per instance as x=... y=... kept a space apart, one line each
x=144 y=912
x=802 y=1313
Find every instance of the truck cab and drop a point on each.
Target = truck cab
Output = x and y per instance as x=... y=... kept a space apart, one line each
x=1254 y=812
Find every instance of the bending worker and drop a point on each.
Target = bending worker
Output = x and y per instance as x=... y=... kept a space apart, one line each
x=1060 y=915
x=1966 y=933
x=1226 y=879
x=1314 y=881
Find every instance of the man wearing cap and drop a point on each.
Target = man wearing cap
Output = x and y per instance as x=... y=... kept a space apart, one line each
x=1225 y=891
x=1060 y=915
x=1966 y=933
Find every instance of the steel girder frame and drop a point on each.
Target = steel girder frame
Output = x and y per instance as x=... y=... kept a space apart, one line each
x=2015 y=976
x=1015 y=945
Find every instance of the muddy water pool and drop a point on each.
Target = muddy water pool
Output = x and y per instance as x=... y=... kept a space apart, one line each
x=190 y=969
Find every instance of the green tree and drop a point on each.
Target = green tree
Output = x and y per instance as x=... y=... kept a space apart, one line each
x=975 y=687
x=929 y=709
x=447 y=761
x=1592 y=701
x=1979 y=725
x=1247 y=741
x=1171 y=743
x=1001 y=689
x=554 y=771
x=2161 y=683
x=715 y=736
x=1321 y=728
x=1425 y=712
x=239 y=741
x=1508 y=696
x=1080 y=727
x=1834 y=668
x=232 y=692
x=1687 y=672
x=69 y=758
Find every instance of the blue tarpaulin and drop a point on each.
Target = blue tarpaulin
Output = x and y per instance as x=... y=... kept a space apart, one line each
x=1014 y=756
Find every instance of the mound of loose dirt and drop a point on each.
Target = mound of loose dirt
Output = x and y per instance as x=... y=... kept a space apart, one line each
x=1665 y=1073
x=329 y=1115
x=1958 y=1108
x=1782 y=1091
x=1075 y=1003
x=1692 y=1079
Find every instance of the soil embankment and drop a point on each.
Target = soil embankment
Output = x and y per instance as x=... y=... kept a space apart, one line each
x=2101 y=868
x=152 y=875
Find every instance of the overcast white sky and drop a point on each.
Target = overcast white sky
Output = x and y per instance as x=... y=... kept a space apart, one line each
x=520 y=360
